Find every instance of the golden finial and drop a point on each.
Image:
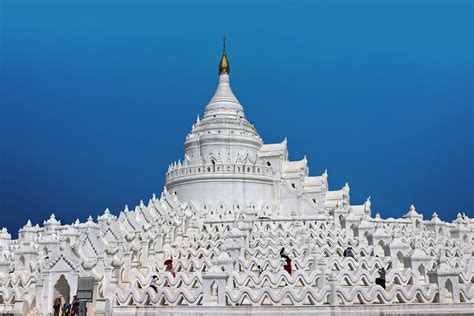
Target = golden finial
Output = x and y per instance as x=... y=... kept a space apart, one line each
x=224 y=66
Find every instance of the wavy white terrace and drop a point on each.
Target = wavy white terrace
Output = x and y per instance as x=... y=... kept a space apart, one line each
x=230 y=204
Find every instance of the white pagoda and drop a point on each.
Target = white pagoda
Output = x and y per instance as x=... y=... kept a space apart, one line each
x=228 y=208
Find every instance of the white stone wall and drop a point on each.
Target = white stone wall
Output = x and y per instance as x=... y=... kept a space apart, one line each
x=245 y=191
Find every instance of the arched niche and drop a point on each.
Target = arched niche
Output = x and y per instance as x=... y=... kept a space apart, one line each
x=62 y=288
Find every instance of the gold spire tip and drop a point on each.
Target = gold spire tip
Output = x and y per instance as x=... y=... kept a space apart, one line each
x=224 y=66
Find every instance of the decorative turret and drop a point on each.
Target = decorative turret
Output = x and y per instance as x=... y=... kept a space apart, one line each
x=51 y=224
x=398 y=250
x=415 y=218
x=437 y=226
x=460 y=231
x=5 y=238
x=27 y=233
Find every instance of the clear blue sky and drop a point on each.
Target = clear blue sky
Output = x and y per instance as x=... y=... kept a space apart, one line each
x=96 y=97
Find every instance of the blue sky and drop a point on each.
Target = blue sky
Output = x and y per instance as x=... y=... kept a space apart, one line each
x=96 y=97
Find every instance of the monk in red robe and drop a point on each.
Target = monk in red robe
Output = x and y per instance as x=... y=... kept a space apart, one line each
x=169 y=267
x=287 y=266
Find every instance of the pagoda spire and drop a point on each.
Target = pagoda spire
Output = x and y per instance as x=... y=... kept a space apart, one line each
x=224 y=66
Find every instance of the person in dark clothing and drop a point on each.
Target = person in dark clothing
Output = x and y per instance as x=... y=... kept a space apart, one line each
x=67 y=309
x=380 y=280
x=283 y=253
x=348 y=252
x=260 y=270
x=153 y=284
x=75 y=305
x=56 y=306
